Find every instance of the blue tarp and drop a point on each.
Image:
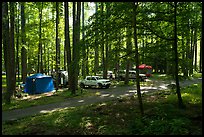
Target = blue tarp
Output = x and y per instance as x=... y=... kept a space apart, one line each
x=38 y=83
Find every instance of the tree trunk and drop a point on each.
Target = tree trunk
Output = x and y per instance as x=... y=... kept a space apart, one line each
x=195 y=47
x=57 y=46
x=180 y=102
x=201 y=54
x=83 y=45
x=102 y=43
x=191 y=54
x=67 y=39
x=7 y=52
x=137 y=59
x=24 y=70
x=96 y=59
x=128 y=51
x=40 y=41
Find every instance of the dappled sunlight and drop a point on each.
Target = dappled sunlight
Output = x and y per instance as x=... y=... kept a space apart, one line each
x=81 y=101
x=49 y=111
x=105 y=95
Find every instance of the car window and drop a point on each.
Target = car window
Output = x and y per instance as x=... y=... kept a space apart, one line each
x=93 y=78
x=88 y=78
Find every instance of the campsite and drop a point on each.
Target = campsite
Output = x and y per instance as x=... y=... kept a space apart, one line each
x=102 y=68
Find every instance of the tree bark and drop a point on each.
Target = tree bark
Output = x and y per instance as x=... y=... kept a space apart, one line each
x=195 y=47
x=67 y=40
x=180 y=102
x=17 y=45
x=128 y=51
x=200 y=54
x=96 y=59
x=24 y=70
x=83 y=45
x=137 y=58
x=57 y=46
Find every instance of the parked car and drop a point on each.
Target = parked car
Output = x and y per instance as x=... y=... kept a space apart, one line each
x=110 y=74
x=94 y=81
x=132 y=75
x=62 y=79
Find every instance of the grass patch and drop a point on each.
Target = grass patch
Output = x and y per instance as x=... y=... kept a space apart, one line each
x=162 y=117
x=42 y=99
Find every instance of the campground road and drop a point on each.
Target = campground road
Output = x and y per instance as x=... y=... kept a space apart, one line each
x=104 y=95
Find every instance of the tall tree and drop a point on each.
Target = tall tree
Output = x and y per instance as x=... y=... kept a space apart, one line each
x=200 y=54
x=76 y=44
x=83 y=45
x=128 y=51
x=17 y=43
x=96 y=59
x=67 y=39
x=57 y=46
x=102 y=41
x=180 y=102
x=137 y=58
x=6 y=46
x=23 y=37
x=40 y=59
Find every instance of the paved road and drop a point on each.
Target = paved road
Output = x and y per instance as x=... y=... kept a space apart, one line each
x=105 y=95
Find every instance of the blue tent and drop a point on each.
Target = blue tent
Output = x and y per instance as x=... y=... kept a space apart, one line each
x=38 y=83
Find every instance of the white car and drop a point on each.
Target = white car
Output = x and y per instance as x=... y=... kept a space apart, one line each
x=95 y=81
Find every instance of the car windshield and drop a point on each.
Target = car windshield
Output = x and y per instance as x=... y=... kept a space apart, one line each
x=97 y=78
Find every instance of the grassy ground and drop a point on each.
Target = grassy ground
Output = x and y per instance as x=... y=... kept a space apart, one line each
x=121 y=117
x=42 y=99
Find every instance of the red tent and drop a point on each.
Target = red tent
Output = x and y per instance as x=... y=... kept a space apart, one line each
x=145 y=69
x=143 y=66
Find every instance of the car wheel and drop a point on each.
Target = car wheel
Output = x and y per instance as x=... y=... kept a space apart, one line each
x=107 y=86
x=82 y=85
x=100 y=85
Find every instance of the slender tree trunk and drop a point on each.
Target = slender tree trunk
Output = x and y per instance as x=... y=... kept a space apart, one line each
x=12 y=57
x=83 y=45
x=183 y=66
x=180 y=102
x=24 y=69
x=17 y=45
x=67 y=39
x=96 y=61
x=57 y=46
x=102 y=44
x=191 y=53
x=78 y=44
x=201 y=53
x=40 y=41
x=137 y=59
x=128 y=51
x=195 y=46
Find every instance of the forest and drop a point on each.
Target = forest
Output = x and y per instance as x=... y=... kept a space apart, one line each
x=46 y=36
x=85 y=38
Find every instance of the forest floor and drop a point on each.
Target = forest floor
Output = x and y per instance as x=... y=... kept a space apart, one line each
x=102 y=95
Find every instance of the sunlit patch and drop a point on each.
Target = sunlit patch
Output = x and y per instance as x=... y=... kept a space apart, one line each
x=112 y=96
x=80 y=101
x=48 y=111
x=102 y=104
x=105 y=95
x=132 y=91
x=144 y=91
x=163 y=87
x=146 y=88
x=98 y=93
